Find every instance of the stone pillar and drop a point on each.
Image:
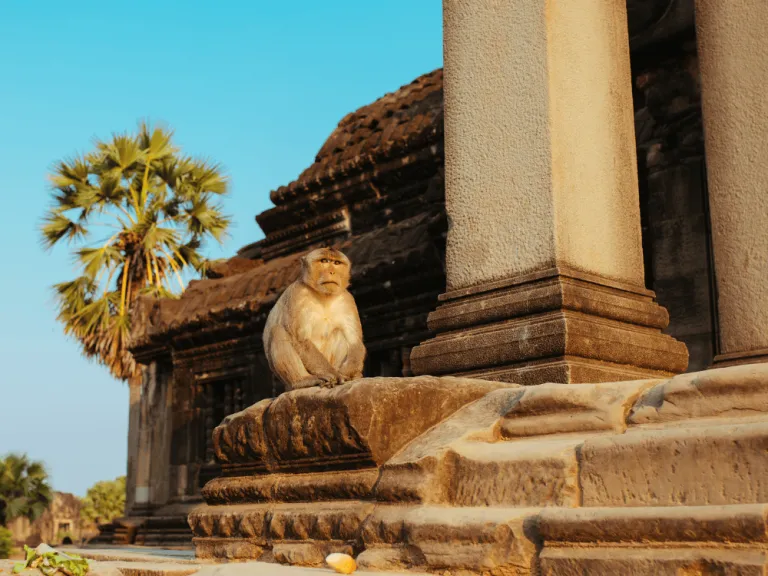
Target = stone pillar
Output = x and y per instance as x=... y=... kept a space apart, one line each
x=134 y=403
x=733 y=60
x=544 y=257
x=142 y=504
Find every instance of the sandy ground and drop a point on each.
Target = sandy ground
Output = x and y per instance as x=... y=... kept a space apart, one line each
x=156 y=562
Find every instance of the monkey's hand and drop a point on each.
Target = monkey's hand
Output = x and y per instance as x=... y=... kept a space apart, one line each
x=330 y=379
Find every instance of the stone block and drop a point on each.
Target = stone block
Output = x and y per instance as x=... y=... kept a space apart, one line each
x=362 y=423
x=558 y=409
x=249 y=522
x=341 y=521
x=555 y=325
x=699 y=465
x=414 y=474
x=553 y=335
x=462 y=461
x=224 y=549
x=390 y=558
x=735 y=524
x=493 y=540
x=652 y=562
x=735 y=392
x=540 y=472
x=341 y=485
x=307 y=553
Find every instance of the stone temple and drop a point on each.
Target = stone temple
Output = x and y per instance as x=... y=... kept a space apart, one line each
x=560 y=253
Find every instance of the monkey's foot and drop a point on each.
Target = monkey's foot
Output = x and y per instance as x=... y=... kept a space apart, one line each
x=309 y=382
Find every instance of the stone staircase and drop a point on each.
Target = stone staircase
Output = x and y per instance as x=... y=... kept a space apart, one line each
x=641 y=477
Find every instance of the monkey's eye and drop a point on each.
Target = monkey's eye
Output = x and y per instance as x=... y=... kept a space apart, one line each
x=324 y=260
x=337 y=263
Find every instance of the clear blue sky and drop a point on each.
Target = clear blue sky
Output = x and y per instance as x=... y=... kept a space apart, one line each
x=256 y=85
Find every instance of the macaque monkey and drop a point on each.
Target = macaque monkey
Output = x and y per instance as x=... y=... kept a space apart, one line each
x=313 y=335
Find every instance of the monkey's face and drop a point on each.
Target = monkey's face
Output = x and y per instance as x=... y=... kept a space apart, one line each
x=327 y=271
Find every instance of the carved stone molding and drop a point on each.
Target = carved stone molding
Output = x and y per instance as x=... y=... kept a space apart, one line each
x=559 y=325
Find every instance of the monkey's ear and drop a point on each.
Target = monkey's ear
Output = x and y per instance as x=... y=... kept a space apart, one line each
x=304 y=262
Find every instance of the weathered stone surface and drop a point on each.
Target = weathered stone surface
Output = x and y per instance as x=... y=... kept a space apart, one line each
x=415 y=474
x=494 y=540
x=555 y=336
x=460 y=462
x=740 y=523
x=262 y=523
x=307 y=553
x=499 y=476
x=651 y=562
x=250 y=522
x=394 y=557
x=556 y=325
x=716 y=464
x=346 y=485
x=557 y=409
x=223 y=549
x=734 y=392
x=534 y=473
x=363 y=422
x=339 y=521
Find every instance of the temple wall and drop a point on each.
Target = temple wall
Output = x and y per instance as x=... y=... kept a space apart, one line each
x=61 y=520
x=674 y=197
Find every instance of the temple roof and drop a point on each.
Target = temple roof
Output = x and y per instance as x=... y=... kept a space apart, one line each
x=393 y=124
x=245 y=293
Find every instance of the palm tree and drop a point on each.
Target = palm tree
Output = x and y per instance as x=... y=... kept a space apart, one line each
x=24 y=489
x=158 y=207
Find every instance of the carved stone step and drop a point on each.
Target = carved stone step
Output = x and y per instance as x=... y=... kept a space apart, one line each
x=674 y=540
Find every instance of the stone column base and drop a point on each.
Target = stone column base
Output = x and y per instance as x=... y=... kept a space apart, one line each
x=559 y=325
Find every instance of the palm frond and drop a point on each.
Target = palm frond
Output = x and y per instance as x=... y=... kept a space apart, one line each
x=94 y=260
x=207 y=177
x=57 y=226
x=205 y=219
x=156 y=142
x=71 y=172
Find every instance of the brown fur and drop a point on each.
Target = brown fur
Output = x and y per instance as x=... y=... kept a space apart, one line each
x=313 y=335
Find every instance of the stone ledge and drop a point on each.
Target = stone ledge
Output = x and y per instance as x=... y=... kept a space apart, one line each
x=741 y=523
x=361 y=423
x=560 y=325
x=724 y=392
x=651 y=562
x=558 y=409
x=493 y=540
x=722 y=463
x=315 y=486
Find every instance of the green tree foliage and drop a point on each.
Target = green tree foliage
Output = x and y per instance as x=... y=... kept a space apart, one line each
x=137 y=214
x=104 y=501
x=6 y=542
x=24 y=489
